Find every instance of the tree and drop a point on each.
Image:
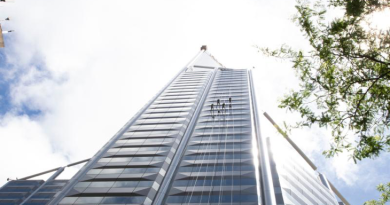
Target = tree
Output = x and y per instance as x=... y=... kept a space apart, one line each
x=385 y=196
x=344 y=77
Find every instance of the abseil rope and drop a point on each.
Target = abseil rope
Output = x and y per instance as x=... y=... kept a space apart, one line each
x=204 y=154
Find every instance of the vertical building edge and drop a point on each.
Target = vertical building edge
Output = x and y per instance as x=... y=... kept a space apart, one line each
x=266 y=176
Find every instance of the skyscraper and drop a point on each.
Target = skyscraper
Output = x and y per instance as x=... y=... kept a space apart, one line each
x=198 y=141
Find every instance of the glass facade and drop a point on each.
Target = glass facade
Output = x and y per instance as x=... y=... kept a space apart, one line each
x=16 y=192
x=196 y=142
x=218 y=165
x=132 y=170
x=295 y=181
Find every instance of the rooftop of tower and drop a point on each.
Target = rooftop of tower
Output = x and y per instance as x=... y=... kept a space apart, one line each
x=204 y=60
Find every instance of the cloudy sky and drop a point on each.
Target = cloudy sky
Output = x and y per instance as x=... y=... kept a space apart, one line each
x=75 y=72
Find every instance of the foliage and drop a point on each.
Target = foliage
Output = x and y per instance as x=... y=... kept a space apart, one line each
x=345 y=77
x=385 y=196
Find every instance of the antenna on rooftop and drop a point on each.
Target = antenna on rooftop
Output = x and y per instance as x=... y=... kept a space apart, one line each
x=9 y=31
x=1 y=30
x=1 y=36
x=6 y=19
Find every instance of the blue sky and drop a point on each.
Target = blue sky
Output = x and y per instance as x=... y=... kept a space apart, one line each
x=75 y=71
x=7 y=81
x=4 y=86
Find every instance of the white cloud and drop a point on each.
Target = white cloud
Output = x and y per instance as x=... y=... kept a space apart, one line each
x=345 y=168
x=24 y=146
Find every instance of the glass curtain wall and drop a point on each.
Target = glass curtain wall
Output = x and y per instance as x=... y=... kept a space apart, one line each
x=14 y=192
x=133 y=169
x=218 y=165
x=295 y=182
x=46 y=193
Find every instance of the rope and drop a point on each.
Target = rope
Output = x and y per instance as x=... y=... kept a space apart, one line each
x=215 y=164
x=225 y=124
x=209 y=142
x=232 y=118
x=204 y=154
x=221 y=120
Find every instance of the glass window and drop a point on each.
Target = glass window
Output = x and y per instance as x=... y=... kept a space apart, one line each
x=194 y=199
x=42 y=196
x=247 y=168
x=169 y=140
x=68 y=200
x=125 y=184
x=159 y=158
x=175 y=199
x=134 y=170
x=214 y=199
x=180 y=183
x=21 y=183
x=164 y=148
x=115 y=200
x=88 y=200
x=246 y=156
x=59 y=183
x=113 y=150
x=148 y=149
x=121 y=159
x=50 y=189
x=155 y=140
x=185 y=169
x=16 y=189
x=248 y=198
x=135 y=141
x=246 y=146
x=101 y=184
x=94 y=171
x=132 y=149
x=104 y=159
x=142 y=159
x=124 y=200
x=145 y=183
x=248 y=182
x=136 y=200
x=11 y=196
x=82 y=184
x=152 y=170
x=111 y=171
x=226 y=198
x=191 y=157
x=124 y=141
